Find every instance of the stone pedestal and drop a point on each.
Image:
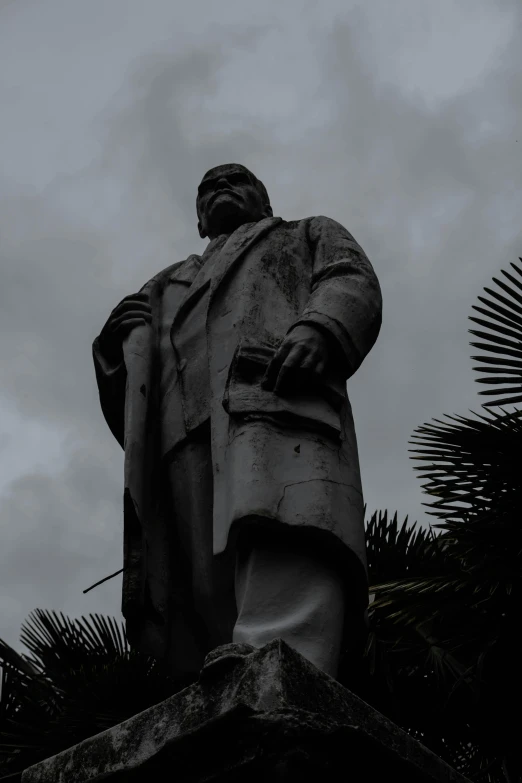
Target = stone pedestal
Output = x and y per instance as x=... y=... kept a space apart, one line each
x=269 y=717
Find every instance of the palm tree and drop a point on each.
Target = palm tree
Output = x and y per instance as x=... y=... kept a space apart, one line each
x=81 y=678
x=469 y=608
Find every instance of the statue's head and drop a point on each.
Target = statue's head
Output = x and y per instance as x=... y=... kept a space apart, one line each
x=229 y=196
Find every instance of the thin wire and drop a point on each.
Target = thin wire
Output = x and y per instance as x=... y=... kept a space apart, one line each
x=104 y=580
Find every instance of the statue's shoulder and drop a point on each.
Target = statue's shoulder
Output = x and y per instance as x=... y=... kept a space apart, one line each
x=317 y=221
x=315 y=227
x=297 y=227
x=323 y=226
x=320 y=220
x=296 y=224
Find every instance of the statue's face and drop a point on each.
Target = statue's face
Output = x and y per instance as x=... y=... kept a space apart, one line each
x=227 y=198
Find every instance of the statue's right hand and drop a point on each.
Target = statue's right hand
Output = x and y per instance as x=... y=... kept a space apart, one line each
x=132 y=311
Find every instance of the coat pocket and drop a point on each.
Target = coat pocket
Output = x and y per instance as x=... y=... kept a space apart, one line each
x=317 y=405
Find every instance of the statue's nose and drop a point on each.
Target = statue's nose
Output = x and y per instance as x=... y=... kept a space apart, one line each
x=223 y=184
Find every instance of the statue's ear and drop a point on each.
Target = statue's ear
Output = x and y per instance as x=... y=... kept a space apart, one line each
x=268 y=211
x=202 y=232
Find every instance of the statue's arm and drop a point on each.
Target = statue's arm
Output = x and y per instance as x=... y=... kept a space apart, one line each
x=345 y=300
x=111 y=378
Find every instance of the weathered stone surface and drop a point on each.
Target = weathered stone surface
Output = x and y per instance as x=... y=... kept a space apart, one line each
x=272 y=717
x=224 y=380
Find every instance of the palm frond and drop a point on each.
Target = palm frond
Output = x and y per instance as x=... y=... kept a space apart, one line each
x=475 y=466
x=45 y=633
x=80 y=679
x=28 y=701
x=504 y=339
x=10 y=657
x=396 y=549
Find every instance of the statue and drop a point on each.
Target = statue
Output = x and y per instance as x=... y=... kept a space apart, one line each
x=224 y=380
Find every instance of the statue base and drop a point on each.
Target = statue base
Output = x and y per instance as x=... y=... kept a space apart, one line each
x=269 y=718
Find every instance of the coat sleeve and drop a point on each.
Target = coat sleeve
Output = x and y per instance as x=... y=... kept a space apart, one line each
x=112 y=380
x=345 y=299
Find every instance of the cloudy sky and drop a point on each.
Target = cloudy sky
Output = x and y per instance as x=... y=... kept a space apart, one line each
x=400 y=120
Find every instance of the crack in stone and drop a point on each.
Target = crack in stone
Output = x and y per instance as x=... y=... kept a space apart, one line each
x=308 y=481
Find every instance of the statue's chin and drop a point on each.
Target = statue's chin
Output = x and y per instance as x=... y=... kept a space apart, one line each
x=226 y=216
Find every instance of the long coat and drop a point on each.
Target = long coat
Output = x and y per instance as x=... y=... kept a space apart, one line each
x=285 y=460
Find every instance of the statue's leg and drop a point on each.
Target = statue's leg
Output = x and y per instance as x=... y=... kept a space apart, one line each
x=289 y=589
x=209 y=611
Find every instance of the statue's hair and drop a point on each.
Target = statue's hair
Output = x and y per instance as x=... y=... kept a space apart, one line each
x=257 y=182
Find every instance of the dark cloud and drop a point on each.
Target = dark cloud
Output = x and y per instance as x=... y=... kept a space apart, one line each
x=60 y=534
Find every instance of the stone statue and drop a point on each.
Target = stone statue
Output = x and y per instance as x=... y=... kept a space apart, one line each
x=224 y=380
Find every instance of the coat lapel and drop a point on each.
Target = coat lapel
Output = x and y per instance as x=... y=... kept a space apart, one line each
x=186 y=272
x=234 y=248
x=237 y=245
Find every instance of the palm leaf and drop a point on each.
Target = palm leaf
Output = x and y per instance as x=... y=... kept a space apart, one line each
x=407 y=667
x=397 y=550
x=81 y=678
x=504 y=338
x=474 y=471
x=27 y=702
x=439 y=628
x=474 y=467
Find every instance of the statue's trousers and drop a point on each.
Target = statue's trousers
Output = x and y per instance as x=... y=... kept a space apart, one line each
x=272 y=585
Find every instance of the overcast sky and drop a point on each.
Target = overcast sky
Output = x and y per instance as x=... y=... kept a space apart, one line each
x=401 y=120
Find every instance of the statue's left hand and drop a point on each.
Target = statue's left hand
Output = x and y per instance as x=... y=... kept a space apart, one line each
x=303 y=353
